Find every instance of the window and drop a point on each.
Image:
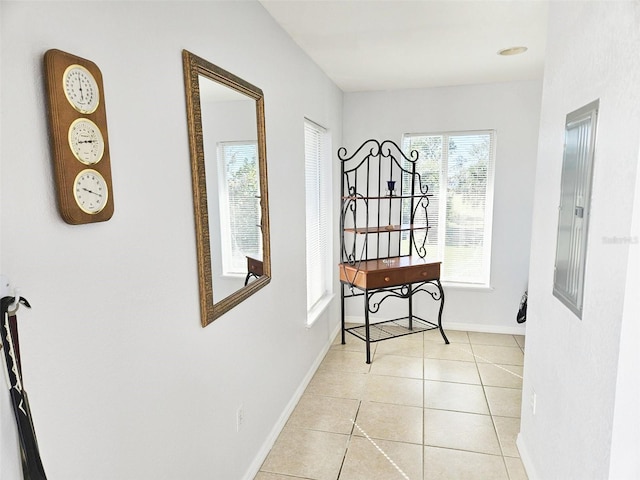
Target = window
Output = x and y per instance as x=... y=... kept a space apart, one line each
x=458 y=169
x=318 y=208
x=239 y=205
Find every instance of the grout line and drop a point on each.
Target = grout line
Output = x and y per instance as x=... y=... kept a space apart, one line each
x=487 y=361
x=492 y=416
x=380 y=450
x=486 y=399
x=361 y=399
x=504 y=460
x=344 y=457
x=355 y=416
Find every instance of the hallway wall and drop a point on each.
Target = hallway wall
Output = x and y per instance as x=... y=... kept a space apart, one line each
x=572 y=364
x=123 y=382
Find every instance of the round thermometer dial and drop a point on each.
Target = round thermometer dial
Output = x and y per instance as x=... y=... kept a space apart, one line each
x=86 y=141
x=90 y=191
x=81 y=89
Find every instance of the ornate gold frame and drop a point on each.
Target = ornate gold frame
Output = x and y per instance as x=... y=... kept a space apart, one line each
x=194 y=66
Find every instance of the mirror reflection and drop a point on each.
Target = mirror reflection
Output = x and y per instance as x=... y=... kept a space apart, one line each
x=230 y=138
x=227 y=139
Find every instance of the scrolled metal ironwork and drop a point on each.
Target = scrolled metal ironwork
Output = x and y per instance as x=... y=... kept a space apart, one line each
x=420 y=213
x=386 y=149
x=350 y=207
x=421 y=287
x=421 y=250
x=423 y=187
x=402 y=291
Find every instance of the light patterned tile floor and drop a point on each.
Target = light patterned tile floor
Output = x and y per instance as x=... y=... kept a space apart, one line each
x=422 y=410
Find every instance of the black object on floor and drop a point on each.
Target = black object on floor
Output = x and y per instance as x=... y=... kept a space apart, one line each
x=522 y=310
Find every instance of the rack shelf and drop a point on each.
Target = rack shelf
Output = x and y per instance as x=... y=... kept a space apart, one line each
x=386 y=228
x=384 y=254
x=384 y=197
x=388 y=329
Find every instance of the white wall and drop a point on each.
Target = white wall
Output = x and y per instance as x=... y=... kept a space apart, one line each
x=626 y=427
x=572 y=364
x=123 y=382
x=512 y=109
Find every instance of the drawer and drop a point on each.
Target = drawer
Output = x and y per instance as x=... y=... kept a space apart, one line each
x=255 y=266
x=402 y=276
x=390 y=277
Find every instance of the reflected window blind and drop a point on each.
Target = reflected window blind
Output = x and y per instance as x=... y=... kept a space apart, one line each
x=240 y=205
x=458 y=168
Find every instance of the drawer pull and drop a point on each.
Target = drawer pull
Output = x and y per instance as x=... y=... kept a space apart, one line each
x=386 y=279
x=424 y=274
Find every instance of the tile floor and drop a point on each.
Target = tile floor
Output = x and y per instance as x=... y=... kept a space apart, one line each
x=422 y=410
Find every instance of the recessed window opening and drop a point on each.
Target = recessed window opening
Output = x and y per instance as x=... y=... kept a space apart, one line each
x=318 y=216
x=458 y=168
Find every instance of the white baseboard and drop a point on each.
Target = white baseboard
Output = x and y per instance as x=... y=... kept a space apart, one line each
x=466 y=327
x=526 y=459
x=474 y=327
x=254 y=468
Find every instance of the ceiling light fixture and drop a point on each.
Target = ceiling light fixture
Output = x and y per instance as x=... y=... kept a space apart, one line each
x=512 y=51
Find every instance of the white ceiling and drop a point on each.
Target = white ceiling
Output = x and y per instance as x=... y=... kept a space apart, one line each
x=396 y=44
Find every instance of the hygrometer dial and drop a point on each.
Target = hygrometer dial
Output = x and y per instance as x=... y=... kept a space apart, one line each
x=90 y=191
x=86 y=141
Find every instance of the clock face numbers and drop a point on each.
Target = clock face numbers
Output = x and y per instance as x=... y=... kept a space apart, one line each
x=90 y=191
x=81 y=89
x=86 y=141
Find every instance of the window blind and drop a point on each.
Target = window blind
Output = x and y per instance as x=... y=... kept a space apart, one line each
x=458 y=168
x=317 y=207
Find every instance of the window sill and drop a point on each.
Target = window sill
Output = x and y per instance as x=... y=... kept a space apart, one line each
x=233 y=276
x=468 y=286
x=318 y=309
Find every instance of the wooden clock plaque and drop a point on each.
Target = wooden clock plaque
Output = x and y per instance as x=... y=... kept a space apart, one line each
x=79 y=138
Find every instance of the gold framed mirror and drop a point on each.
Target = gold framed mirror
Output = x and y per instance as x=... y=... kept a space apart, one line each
x=227 y=143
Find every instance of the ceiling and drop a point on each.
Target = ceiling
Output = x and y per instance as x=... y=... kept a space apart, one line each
x=365 y=45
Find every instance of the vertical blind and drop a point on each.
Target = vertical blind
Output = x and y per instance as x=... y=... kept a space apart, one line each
x=317 y=228
x=458 y=169
x=239 y=205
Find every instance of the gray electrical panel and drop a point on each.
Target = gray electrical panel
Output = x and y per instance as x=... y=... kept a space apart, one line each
x=574 y=209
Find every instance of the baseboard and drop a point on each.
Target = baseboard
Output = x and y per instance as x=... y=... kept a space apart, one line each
x=467 y=327
x=260 y=457
x=474 y=327
x=526 y=459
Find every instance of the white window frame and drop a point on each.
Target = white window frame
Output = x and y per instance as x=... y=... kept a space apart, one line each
x=483 y=280
x=318 y=215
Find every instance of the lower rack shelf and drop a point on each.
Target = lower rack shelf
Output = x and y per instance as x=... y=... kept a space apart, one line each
x=397 y=327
